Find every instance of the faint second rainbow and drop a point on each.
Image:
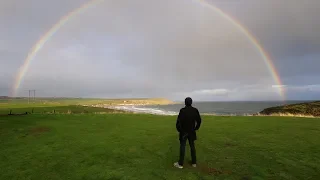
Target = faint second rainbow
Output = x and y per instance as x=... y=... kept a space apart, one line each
x=39 y=44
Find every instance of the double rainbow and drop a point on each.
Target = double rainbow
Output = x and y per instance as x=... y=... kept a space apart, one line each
x=40 y=43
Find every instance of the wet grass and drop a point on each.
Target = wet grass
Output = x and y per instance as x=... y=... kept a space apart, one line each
x=133 y=146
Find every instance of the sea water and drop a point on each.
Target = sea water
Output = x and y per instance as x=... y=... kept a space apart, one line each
x=217 y=108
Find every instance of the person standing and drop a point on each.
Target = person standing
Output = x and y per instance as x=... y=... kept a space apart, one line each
x=188 y=122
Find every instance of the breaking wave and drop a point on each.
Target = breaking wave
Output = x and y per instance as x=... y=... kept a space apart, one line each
x=147 y=110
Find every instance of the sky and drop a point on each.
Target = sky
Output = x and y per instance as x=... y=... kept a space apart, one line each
x=167 y=48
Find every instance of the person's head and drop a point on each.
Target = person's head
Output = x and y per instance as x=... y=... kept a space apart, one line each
x=188 y=101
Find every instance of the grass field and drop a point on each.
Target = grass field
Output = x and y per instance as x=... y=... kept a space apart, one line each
x=133 y=146
x=68 y=105
x=66 y=109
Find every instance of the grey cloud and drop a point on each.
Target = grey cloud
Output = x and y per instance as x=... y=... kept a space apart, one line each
x=171 y=49
x=288 y=30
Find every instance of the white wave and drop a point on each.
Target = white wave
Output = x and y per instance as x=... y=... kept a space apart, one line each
x=144 y=110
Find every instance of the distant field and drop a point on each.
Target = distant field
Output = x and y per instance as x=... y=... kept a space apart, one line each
x=71 y=109
x=74 y=101
x=67 y=105
x=127 y=146
x=50 y=106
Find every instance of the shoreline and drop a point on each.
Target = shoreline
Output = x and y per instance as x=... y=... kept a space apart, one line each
x=147 y=107
x=142 y=110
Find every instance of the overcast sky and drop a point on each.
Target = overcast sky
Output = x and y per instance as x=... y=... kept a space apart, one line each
x=162 y=48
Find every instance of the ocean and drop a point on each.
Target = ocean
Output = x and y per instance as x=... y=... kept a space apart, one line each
x=218 y=108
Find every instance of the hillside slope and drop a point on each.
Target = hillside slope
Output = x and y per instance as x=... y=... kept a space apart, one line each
x=309 y=108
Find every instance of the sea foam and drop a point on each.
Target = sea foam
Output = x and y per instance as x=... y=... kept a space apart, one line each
x=146 y=110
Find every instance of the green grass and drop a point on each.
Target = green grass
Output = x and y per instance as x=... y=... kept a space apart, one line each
x=77 y=101
x=124 y=146
x=70 y=109
x=67 y=105
x=51 y=101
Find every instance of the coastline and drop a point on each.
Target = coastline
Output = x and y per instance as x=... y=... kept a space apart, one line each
x=147 y=107
x=135 y=109
x=141 y=109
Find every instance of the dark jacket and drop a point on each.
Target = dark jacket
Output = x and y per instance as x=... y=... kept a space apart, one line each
x=188 y=122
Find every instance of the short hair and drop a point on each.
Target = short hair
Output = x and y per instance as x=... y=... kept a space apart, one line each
x=188 y=101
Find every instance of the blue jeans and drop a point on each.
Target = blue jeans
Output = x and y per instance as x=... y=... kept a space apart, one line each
x=183 y=143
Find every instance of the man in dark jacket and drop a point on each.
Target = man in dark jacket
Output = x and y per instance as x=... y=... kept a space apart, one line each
x=188 y=122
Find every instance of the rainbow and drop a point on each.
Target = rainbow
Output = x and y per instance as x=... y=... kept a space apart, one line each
x=43 y=39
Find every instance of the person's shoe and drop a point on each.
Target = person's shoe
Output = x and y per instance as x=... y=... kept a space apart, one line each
x=194 y=165
x=177 y=165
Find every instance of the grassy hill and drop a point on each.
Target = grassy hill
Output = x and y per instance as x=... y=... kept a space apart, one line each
x=304 y=109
